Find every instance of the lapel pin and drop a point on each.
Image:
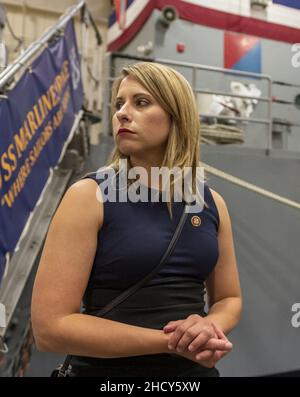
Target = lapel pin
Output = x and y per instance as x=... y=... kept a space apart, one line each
x=195 y=221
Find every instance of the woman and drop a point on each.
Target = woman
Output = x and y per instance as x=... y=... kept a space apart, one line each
x=95 y=249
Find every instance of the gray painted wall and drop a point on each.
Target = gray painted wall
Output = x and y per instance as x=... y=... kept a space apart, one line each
x=266 y=236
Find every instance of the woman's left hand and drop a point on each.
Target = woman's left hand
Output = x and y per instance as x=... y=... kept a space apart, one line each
x=196 y=334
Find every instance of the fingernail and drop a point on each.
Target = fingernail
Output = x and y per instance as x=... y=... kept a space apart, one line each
x=170 y=347
x=191 y=348
x=179 y=349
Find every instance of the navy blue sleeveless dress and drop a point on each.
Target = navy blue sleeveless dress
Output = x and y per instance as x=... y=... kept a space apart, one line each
x=131 y=242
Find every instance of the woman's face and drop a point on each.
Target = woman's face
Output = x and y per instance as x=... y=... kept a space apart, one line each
x=148 y=124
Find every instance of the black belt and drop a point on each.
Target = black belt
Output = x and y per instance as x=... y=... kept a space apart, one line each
x=152 y=306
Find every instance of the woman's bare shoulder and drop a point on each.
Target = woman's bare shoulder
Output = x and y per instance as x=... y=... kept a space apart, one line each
x=83 y=198
x=220 y=203
x=217 y=196
x=85 y=187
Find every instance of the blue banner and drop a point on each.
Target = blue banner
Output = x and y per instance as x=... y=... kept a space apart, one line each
x=35 y=120
x=288 y=3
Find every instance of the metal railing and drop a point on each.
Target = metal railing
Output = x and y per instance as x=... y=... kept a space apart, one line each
x=23 y=259
x=110 y=68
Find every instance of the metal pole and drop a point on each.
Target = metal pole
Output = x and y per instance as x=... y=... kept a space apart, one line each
x=106 y=87
x=213 y=68
x=24 y=12
x=223 y=93
x=12 y=69
x=270 y=129
x=194 y=82
x=248 y=120
x=84 y=44
x=285 y=84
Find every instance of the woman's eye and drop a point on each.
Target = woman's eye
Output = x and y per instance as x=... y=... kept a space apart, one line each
x=142 y=102
x=139 y=102
x=118 y=105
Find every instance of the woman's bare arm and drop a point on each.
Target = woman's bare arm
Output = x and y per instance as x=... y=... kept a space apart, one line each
x=61 y=280
x=223 y=286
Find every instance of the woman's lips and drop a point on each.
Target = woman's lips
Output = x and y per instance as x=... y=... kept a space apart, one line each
x=122 y=131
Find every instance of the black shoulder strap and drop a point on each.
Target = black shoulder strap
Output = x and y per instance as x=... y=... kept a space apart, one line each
x=62 y=371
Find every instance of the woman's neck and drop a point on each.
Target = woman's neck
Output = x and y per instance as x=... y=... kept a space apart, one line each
x=146 y=174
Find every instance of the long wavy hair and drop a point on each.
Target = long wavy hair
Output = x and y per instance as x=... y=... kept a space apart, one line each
x=175 y=95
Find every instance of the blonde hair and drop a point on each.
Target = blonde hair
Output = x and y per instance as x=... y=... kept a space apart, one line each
x=175 y=95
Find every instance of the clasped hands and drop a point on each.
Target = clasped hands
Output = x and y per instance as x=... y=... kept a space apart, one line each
x=197 y=339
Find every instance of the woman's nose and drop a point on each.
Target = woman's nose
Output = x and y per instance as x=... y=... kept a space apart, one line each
x=123 y=113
